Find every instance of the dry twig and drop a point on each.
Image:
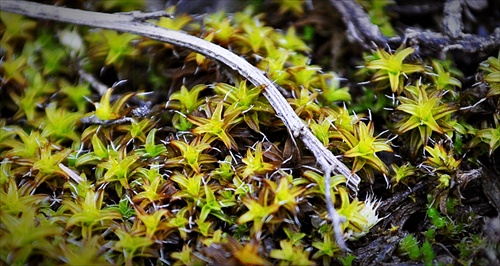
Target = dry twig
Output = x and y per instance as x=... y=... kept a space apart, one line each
x=365 y=33
x=129 y=22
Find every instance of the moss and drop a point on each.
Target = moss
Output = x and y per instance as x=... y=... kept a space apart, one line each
x=198 y=168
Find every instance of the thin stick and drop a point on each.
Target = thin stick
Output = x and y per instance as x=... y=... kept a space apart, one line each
x=128 y=23
x=334 y=216
x=363 y=32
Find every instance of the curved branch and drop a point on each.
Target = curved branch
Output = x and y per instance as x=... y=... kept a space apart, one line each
x=466 y=43
x=363 y=32
x=359 y=26
x=126 y=22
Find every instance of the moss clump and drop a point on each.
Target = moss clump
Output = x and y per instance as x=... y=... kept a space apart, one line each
x=182 y=162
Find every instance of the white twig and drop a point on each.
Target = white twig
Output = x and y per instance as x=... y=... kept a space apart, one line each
x=98 y=86
x=129 y=23
x=337 y=220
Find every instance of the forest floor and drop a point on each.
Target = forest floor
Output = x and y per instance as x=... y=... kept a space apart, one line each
x=117 y=148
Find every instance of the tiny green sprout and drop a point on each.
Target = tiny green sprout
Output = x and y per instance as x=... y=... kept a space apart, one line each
x=12 y=70
x=16 y=27
x=214 y=205
x=215 y=238
x=48 y=163
x=79 y=184
x=332 y=92
x=185 y=257
x=285 y=194
x=83 y=252
x=88 y=212
x=217 y=126
x=54 y=60
x=391 y=66
x=426 y=113
x=125 y=208
x=190 y=186
x=27 y=235
x=186 y=101
x=255 y=164
x=316 y=178
x=60 y=124
x=247 y=16
x=304 y=75
x=254 y=38
x=326 y=249
x=76 y=94
x=151 y=150
x=119 y=169
x=211 y=205
x=294 y=237
x=257 y=212
x=409 y=247
x=152 y=185
x=28 y=147
x=14 y=200
x=180 y=122
x=137 y=129
x=114 y=46
x=491 y=68
x=5 y=172
x=343 y=120
x=401 y=173
x=242 y=188
x=441 y=160
x=274 y=65
x=180 y=222
x=355 y=219
x=321 y=129
x=290 y=41
x=105 y=111
x=242 y=99
x=442 y=76
x=305 y=103
x=294 y=7
x=427 y=253
x=38 y=88
x=249 y=254
x=132 y=245
x=437 y=220
x=177 y=23
x=153 y=222
x=204 y=227
x=225 y=170
x=444 y=180
x=364 y=146
x=99 y=153
x=191 y=154
x=298 y=59
x=430 y=234
x=347 y=260
x=491 y=136
x=220 y=25
x=290 y=254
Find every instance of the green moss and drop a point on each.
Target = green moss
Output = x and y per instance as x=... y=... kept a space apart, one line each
x=208 y=171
